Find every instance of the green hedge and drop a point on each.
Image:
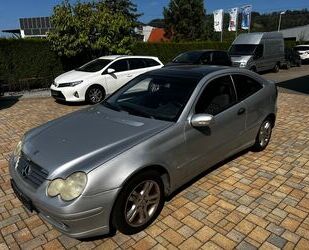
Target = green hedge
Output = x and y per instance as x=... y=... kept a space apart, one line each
x=167 y=51
x=26 y=63
x=29 y=63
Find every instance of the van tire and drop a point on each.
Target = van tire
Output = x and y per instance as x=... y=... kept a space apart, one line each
x=276 y=68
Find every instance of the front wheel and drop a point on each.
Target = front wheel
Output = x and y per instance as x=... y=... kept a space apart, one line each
x=263 y=136
x=95 y=94
x=139 y=203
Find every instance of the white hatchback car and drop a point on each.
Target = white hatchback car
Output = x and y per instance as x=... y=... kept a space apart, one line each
x=100 y=77
x=303 y=51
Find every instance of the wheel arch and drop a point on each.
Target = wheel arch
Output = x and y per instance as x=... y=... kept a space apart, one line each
x=95 y=85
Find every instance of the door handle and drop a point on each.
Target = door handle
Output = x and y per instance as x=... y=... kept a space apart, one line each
x=129 y=75
x=241 y=111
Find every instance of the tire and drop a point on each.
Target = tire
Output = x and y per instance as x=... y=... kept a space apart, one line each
x=288 y=65
x=132 y=198
x=95 y=94
x=263 y=137
x=276 y=68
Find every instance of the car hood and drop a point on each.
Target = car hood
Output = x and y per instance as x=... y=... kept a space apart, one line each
x=74 y=75
x=86 y=139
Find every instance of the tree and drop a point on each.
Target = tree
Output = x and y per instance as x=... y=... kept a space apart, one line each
x=126 y=7
x=90 y=28
x=185 y=19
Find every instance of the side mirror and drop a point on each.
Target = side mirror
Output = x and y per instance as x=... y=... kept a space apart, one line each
x=201 y=120
x=110 y=71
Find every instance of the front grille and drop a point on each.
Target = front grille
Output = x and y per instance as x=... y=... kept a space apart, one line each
x=236 y=64
x=31 y=172
x=57 y=94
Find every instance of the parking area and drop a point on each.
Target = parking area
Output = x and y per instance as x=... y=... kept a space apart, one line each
x=254 y=200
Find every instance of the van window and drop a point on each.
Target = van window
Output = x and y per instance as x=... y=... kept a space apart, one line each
x=242 y=49
x=259 y=51
x=245 y=86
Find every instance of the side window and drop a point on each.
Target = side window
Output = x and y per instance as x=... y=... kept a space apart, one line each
x=218 y=96
x=259 y=51
x=220 y=58
x=245 y=86
x=206 y=58
x=137 y=63
x=120 y=65
x=150 y=62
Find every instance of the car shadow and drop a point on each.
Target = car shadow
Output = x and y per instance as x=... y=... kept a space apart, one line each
x=8 y=101
x=300 y=85
x=72 y=104
x=206 y=172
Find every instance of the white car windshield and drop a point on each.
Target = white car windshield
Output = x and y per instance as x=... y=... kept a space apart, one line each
x=94 y=66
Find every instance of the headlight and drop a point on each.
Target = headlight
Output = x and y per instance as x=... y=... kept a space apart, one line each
x=243 y=64
x=18 y=149
x=68 y=189
x=69 y=84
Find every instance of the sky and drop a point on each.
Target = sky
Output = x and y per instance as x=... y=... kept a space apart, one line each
x=12 y=10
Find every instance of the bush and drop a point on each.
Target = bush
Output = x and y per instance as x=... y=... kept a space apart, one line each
x=167 y=51
x=27 y=63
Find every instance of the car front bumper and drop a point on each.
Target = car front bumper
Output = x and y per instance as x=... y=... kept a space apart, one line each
x=84 y=217
x=69 y=94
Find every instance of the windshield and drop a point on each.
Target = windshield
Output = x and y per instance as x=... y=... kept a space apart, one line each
x=242 y=49
x=153 y=96
x=94 y=66
x=188 y=57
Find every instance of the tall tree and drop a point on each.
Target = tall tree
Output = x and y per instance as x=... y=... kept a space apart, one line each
x=185 y=19
x=90 y=28
x=126 y=7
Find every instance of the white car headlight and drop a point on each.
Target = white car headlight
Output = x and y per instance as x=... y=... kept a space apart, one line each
x=69 y=84
x=243 y=64
x=68 y=189
x=17 y=150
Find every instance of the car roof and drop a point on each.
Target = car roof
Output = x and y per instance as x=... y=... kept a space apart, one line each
x=194 y=71
x=114 y=57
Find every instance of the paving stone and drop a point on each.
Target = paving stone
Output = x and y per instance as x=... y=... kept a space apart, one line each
x=276 y=241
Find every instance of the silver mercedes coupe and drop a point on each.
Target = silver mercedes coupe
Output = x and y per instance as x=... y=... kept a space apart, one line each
x=110 y=167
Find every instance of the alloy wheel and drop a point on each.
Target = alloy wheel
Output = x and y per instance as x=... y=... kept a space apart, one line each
x=265 y=133
x=142 y=203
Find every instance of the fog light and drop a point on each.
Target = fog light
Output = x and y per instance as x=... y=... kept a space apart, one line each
x=76 y=94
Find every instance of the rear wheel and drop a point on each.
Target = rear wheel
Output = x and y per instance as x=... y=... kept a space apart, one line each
x=139 y=203
x=263 y=136
x=95 y=94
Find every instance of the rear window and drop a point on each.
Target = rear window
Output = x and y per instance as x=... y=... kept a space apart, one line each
x=245 y=86
x=151 y=62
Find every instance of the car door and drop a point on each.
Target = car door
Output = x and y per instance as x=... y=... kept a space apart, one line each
x=119 y=77
x=249 y=91
x=207 y=146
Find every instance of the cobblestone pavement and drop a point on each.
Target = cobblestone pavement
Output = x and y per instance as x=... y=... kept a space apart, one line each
x=257 y=200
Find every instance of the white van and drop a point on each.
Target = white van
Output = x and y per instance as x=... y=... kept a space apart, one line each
x=258 y=51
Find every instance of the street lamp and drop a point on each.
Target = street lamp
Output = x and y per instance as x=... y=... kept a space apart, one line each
x=280 y=17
